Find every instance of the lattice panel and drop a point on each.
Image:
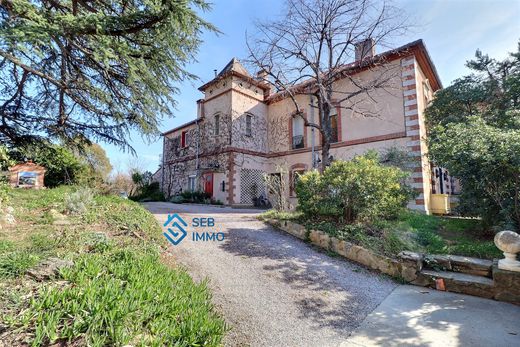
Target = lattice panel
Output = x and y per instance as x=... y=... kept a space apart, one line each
x=251 y=185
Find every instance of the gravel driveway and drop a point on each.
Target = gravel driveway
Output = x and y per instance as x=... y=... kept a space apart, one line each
x=273 y=289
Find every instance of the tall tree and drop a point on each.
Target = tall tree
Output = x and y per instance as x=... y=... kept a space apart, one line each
x=97 y=161
x=75 y=69
x=474 y=132
x=313 y=42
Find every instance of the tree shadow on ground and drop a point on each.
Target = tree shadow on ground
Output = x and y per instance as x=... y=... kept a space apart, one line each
x=339 y=294
x=331 y=292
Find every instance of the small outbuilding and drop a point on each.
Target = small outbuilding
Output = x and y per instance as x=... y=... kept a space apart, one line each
x=27 y=175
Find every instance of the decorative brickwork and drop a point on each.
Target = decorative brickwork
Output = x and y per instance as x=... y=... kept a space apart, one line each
x=412 y=126
x=27 y=175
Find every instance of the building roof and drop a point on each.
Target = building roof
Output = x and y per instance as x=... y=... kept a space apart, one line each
x=234 y=65
x=234 y=68
x=185 y=125
x=416 y=48
x=28 y=165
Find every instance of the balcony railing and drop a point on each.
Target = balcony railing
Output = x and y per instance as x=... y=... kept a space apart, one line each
x=297 y=141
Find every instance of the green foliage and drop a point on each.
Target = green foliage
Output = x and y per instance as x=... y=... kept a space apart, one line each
x=117 y=292
x=79 y=201
x=281 y=215
x=5 y=158
x=78 y=71
x=411 y=231
x=195 y=197
x=97 y=162
x=358 y=190
x=149 y=192
x=125 y=297
x=63 y=167
x=475 y=133
x=4 y=194
x=16 y=262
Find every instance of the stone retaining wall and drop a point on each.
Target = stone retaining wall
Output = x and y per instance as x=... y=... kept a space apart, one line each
x=478 y=277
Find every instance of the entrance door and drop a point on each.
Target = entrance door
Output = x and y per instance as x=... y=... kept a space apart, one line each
x=208 y=183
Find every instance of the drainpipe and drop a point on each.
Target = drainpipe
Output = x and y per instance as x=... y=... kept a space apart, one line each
x=313 y=160
x=197 y=144
x=162 y=165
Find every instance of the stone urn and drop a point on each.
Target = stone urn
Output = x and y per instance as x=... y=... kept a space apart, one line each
x=508 y=242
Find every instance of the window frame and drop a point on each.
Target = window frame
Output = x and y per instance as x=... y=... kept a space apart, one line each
x=249 y=125
x=184 y=135
x=334 y=116
x=293 y=136
x=216 y=125
x=192 y=179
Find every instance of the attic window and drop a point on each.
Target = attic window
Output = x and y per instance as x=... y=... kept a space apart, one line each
x=241 y=84
x=224 y=84
x=211 y=91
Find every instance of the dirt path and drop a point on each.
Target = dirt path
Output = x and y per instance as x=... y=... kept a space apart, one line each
x=273 y=289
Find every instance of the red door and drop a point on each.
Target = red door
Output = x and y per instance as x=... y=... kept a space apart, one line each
x=208 y=183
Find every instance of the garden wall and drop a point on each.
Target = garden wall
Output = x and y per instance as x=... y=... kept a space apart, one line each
x=472 y=276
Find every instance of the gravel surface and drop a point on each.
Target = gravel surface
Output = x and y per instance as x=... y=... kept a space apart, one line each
x=274 y=289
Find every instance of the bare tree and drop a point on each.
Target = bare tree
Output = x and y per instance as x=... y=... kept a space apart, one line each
x=318 y=42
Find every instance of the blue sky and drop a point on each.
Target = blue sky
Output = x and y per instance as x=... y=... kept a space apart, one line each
x=451 y=29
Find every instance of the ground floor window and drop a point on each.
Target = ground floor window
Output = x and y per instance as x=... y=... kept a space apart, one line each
x=191 y=183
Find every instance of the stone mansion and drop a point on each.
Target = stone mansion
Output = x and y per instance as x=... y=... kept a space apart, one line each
x=243 y=131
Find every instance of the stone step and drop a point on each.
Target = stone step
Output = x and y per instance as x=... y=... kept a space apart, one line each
x=467 y=265
x=459 y=282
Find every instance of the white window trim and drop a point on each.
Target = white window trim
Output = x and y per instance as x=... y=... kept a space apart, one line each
x=194 y=182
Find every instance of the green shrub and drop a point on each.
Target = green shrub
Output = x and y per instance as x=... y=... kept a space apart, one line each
x=149 y=192
x=197 y=196
x=360 y=190
x=62 y=166
x=79 y=201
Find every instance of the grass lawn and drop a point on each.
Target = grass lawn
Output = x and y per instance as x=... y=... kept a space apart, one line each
x=117 y=292
x=411 y=231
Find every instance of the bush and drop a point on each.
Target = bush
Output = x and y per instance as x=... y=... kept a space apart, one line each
x=360 y=190
x=62 y=166
x=78 y=201
x=149 y=192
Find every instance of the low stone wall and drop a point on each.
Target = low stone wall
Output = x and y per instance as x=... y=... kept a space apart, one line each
x=478 y=277
x=395 y=268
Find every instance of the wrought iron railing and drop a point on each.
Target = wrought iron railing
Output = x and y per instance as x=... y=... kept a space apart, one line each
x=297 y=141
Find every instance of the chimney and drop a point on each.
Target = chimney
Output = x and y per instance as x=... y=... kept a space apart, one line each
x=263 y=77
x=365 y=49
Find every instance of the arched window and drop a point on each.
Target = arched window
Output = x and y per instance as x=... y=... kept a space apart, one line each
x=217 y=124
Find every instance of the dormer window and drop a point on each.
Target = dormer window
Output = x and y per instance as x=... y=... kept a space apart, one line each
x=249 y=121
